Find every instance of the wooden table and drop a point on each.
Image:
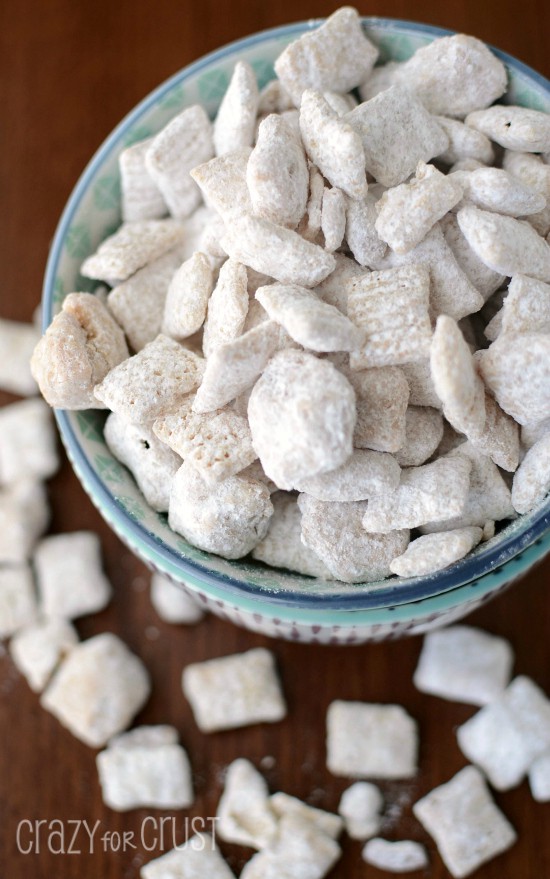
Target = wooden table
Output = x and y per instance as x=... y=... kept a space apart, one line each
x=68 y=72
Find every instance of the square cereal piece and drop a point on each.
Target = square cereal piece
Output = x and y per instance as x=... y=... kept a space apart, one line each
x=300 y=850
x=28 y=447
x=464 y=664
x=516 y=370
x=397 y=133
x=153 y=382
x=18 y=606
x=285 y=806
x=484 y=279
x=361 y=236
x=277 y=174
x=17 y=342
x=141 y=198
x=199 y=858
x=173 y=603
x=515 y=128
x=366 y=740
x=187 y=297
x=382 y=396
x=236 y=118
x=519 y=723
x=423 y=433
x=244 y=813
x=227 y=307
x=234 y=691
x=526 y=308
x=133 y=246
x=455 y=378
x=532 y=479
x=98 y=689
x=361 y=807
x=468 y=828
x=40 y=647
x=539 y=778
x=135 y=774
x=222 y=181
x=71 y=582
x=391 y=308
x=435 y=552
x=282 y=546
x=24 y=516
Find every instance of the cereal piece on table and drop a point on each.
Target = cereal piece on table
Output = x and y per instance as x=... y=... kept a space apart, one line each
x=197 y=858
x=274 y=99
x=187 y=298
x=138 y=303
x=334 y=531
x=300 y=849
x=464 y=143
x=153 y=382
x=98 y=689
x=361 y=807
x=499 y=438
x=302 y=415
x=333 y=144
x=423 y=433
x=228 y=518
x=532 y=479
x=533 y=172
x=484 y=279
x=222 y=181
x=145 y=737
x=463 y=664
x=455 y=378
x=285 y=806
x=364 y=473
x=425 y=494
x=531 y=433
x=518 y=721
x=134 y=774
x=24 y=516
x=173 y=603
x=227 y=307
x=234 y=691
x=244 y=812
x=236 y=117
x=397 y=133
x=17 y=342
x=434 y=552
x=69 y=574
x=181 y=145
x=494 y=189
x=333 y=218
x=539 y=778
x=282 y=546
x=310 y=225
x=382 y=396
x=391 y=307
x=361 y=235
x=506 y=245
x=402 y=856
x=152 y=464
x=368 y=740
x=81 y=345
x=18 y=605
x=28 y=446
x=467 y=826
x=407 y=212
x=516 y=370
x=307 y=319
x=336 y=56
x=526 y=308
x=277 y=174
x=334 y=289
x=38 y=649
x=130 y=248
x=276 y=251
x=515 y=128
x=421 y=387
x=141 y=198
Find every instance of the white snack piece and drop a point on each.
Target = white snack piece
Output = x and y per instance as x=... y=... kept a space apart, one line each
x=184 y=143
x=516 y=370
x=397 y=133
x=133 y=775
x=519 y=721
x=28 y=446
x=334 y=57
x=526 y=308
x=455 y=378
x=141 y=198
x=367 y=740
x=17 y=342
x=24 y=516
x=464 y=664
x=402 y=856
x=494 y=189
x=98 y=689
x=382 y=397
x=361 y=236
x=434 y=552
x=530 y=434
x=244 y=812
x=187 y=298
x=309 y=227
x=133 y=246
x=539 y=778
x=222 y=181
x=333 y=218
x=277 y=174
x=18 y=605
x=234 y=691
x=421 y=387
x=236 y=117
x=364 y=473
x=506 y=245
x=300 y=849
x=533 y=172
x=532 y=479
x=282 y=546
x=361 y=806
x=173 y=603
x=423 y=433
x=228 y=518
x=484 y=279
x=334 y=289
x=465 y=143
x=515 y=128
x=197 y=858
x=274 y=99
x=38 y=648
x=285 y=806
x=467 y=826
x=227 y=307
x=69 y=573
x=305 y=427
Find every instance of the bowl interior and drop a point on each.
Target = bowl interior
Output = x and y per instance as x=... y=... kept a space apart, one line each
x=93 y=212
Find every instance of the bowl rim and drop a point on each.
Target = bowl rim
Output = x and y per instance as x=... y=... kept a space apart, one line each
x=396 y=592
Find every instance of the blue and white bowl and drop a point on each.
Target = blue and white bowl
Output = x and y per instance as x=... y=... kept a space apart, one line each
x=263 y=599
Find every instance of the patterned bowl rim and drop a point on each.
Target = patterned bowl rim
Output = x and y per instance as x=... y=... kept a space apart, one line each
x=535 y=528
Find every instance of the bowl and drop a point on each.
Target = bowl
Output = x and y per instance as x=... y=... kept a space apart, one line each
x=263 y=599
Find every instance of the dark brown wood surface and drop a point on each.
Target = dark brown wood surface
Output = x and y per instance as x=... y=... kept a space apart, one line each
x=69 y=70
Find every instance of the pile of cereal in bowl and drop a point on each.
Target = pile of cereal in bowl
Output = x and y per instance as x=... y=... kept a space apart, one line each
x=326 y=341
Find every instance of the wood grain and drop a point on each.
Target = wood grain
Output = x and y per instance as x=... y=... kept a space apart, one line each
x=68 y=72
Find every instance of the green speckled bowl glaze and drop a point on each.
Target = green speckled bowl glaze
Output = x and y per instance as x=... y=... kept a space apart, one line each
x=274 y=602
